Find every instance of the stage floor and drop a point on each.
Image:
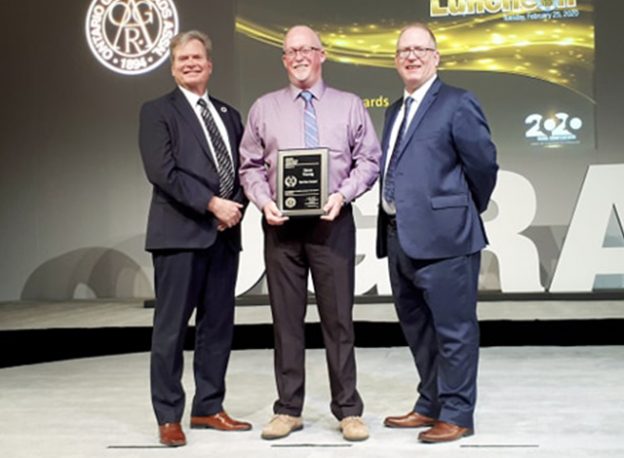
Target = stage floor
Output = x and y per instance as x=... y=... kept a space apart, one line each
x=131 y=313
x=533 y=401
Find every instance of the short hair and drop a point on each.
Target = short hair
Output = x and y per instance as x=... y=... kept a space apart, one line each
x=419 y=25
x=184 y=37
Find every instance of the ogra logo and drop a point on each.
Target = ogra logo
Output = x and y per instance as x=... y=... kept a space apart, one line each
x=131 y=36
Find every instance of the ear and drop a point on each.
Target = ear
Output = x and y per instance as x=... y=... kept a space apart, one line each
x=436 y=58
x=323 y=55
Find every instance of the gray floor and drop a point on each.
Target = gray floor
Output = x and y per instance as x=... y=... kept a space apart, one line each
x=106 y=313
x=533 y=401
x=541 y=402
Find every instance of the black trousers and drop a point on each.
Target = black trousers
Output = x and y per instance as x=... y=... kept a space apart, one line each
x=327 y=250
x=187 y=280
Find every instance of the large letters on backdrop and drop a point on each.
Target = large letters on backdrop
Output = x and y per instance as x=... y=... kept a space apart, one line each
x=583 y=255
x=582 y=258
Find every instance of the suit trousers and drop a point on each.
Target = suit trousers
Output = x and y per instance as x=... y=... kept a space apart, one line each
x=327 y=250
x=436 y=300
x=201 y=280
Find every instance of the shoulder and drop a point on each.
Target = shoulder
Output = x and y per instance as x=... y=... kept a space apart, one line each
x=224 y=107
x=269 y=102
x=454 y=92
x=343 y=96
x=273 y=97
x=160 y=103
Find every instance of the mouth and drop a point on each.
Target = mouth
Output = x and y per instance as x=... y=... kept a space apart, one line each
x=412 y=67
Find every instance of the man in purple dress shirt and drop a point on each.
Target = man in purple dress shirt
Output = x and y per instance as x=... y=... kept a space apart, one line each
x=326 y=245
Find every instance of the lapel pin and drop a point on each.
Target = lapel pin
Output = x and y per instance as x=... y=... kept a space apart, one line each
x=223 y=110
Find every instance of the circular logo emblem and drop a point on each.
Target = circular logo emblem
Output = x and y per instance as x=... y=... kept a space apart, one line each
x=131 y=36
x=290 y=181
x=290 y=202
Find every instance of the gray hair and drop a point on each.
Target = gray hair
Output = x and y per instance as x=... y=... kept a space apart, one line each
x=184 y=37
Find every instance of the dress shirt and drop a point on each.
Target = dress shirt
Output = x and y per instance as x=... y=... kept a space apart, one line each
x=275 y=122
x=193 y=99
x=418 y=95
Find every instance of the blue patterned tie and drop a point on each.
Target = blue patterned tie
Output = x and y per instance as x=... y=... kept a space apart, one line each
x=226 y=171
x=310 y=126
x=389 y=179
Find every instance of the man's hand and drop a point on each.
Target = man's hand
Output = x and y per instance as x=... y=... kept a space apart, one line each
x=332 y=208
x=227 y=212
x=273 y=216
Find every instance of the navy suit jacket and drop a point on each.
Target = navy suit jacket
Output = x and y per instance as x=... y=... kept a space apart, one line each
x=445 y=175
x=178 y=163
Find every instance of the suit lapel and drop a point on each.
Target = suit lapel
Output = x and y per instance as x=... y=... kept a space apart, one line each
x=430 y=96
x=225 y=116
x=185 y=110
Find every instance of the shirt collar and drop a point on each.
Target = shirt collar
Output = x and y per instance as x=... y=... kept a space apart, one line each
x=419 y=93
x=317 y=90
x=192 y=97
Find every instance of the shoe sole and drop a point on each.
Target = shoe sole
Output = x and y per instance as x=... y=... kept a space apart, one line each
x=358 y=439
x=424 y=425
x=217 y=429
x=173 y=444
x=440 y=441
x=269 y=437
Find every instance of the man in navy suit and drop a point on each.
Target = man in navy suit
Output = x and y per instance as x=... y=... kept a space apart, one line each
x=438 y=172
x=189 y=146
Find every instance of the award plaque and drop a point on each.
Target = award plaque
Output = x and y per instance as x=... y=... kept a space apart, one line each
x=302 y=181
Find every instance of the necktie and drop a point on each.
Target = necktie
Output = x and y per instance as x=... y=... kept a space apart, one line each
x=226 y=171
x=310 y=127
x=389 y=179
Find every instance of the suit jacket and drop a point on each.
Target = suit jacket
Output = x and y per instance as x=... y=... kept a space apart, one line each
x=445 y=175
x=178 y=163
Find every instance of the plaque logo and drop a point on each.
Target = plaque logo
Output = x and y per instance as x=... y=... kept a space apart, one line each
x=290 y=181
x=131 y=37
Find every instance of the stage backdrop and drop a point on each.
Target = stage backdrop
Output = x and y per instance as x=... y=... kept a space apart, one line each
x=74 y=197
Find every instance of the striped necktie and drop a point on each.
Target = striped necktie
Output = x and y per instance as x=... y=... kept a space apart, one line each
x=389 y=178
x=226 y=171
x=310 y=126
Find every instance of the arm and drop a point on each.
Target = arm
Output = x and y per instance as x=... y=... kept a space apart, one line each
x=156 y=145
x=477 y=152
x=365 y=154
x=253 y=173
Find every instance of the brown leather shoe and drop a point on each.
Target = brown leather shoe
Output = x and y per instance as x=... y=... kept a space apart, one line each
x=444 y=432
x=410 y=420
x=171 y=435
x=221 y=421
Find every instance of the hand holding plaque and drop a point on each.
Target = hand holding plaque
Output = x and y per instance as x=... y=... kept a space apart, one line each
x=302 y=181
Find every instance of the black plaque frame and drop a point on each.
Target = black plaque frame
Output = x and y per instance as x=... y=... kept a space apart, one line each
x=302 y=181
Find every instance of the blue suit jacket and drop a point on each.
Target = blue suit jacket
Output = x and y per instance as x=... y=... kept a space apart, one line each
x=445 y=175
x=178 y=163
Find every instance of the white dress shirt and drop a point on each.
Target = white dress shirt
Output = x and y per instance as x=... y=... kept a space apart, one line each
x=193 y=99
x=418 y=95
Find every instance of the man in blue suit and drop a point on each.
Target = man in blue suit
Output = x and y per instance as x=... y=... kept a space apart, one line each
x=438 y=173
x=189 y=146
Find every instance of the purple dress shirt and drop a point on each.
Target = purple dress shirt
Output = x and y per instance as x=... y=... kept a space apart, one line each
x=276 y=122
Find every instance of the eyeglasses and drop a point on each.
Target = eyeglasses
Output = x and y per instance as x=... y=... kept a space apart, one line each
x=419 y=52
x=305 y=51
